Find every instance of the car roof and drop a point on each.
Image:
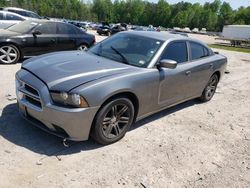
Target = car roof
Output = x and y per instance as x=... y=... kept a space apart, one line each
x=164 y=36
x=15 y=8
x=41 y=21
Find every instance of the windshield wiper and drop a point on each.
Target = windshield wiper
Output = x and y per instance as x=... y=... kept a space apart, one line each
x=119 y=53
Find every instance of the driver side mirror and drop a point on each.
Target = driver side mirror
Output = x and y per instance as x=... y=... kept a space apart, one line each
x=167 y=63
x=35 y=33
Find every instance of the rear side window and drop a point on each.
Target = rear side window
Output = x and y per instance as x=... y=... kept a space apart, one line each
x=78 y=31
x=1 y=16
x=17 y=12
x=198 y=51
x=47 y=28
x=13 y=17
x=176 y=51
x=65 y=29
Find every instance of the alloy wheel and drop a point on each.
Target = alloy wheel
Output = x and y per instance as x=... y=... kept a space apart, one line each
x=8 y=54
x=83 y=48
x=211 y=87
x=116 y=120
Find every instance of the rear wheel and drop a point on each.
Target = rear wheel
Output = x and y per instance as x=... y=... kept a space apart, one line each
x=83 y=47
x=210 y=89
x=113 y=121
x=9 y=54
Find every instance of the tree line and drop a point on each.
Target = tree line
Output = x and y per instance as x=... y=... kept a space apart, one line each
x=212 y=16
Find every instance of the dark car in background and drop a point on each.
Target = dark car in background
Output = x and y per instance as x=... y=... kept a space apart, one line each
x=118 y=28
x=30 y=38
x=104 y=30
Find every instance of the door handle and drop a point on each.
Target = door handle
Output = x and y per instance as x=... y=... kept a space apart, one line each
x=188 y=73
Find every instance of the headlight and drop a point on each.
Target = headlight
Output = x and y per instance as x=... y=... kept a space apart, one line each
x=69 y=100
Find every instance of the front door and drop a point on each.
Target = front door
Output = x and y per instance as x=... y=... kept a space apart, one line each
x=44 y=41
x=174 y=83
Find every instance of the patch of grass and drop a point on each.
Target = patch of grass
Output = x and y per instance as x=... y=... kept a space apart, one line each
x=230 y=48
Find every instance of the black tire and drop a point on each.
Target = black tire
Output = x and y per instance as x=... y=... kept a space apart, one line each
x=113 y=121
x=210 y=89
x=13 y=55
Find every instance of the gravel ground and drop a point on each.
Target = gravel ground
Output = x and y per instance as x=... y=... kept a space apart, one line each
x=191 y=145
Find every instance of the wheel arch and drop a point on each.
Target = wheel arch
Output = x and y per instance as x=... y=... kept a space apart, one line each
x=84 y=43
x=218 y=74
x=127 y=94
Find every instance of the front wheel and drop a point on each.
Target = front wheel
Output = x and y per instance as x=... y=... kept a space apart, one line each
x=210 y=89
x=9 y=54
x=113 y=121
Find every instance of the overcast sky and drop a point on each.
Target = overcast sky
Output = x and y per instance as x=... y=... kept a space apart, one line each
x=234 y=3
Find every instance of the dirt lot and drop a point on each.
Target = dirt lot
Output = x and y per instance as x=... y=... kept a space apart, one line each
x=190 y=145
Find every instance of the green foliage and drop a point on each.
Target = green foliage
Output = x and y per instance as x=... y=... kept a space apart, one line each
x=212 y=16
x=230 y=48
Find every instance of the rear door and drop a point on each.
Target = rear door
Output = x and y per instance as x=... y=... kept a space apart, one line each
x=200 y=70
x=66 y=37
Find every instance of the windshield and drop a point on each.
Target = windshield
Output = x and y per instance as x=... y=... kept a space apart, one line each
x=128 y=48
x=23 y=27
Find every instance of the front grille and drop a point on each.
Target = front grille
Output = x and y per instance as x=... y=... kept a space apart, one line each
x=33 y=101
x=31 y=90
x=31 y=95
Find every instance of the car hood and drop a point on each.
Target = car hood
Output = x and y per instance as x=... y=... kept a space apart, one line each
x=64 y=71
x=7 y=33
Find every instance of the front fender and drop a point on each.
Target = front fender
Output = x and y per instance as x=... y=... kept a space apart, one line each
x=144 y=85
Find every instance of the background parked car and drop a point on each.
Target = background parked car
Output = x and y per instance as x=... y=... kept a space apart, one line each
x=8 y=19
x=118 y=28
x=104 y=30
x=30 y=38
x=22 y=12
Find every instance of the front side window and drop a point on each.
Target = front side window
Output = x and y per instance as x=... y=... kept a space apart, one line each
x=47 y=28
x=18 y=12
x=176 y=51
x=198 y=51
x=128 y=48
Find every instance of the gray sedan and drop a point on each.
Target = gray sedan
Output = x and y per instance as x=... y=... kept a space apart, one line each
x=122 y=79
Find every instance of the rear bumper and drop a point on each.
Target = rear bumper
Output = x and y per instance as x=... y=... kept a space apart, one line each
x=73 y=124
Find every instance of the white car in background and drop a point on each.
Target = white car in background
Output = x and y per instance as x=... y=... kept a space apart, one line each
x=8 y=19
x=22 y=12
